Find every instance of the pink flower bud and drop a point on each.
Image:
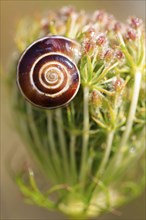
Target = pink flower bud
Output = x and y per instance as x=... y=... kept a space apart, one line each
x=118 y=84
x=135 y=22
x=101 y=39
x=131 y=34
x=100 y=16
x=90 y=33
x=88 y=46
x=119 y=55
x=109 y=54
x=96 y=98
x=117 y=27
x=67 y=11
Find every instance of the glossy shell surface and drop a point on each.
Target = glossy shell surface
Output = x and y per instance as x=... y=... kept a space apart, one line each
x=47 y=74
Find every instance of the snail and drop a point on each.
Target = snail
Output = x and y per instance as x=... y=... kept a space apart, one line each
x=47 y=75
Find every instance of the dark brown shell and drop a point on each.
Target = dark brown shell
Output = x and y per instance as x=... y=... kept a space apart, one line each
x=47 y=74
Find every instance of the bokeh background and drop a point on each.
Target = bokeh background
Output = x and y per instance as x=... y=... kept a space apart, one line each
x=12 y=205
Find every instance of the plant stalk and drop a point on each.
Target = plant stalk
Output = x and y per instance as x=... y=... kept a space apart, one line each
x=38 y=145
x=85 y=134
x=107 y=152
x=132 y=111
x=62 y=142
x=55 y=154
x=72 y=157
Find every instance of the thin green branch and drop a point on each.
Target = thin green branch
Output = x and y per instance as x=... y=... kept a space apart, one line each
x=105 y=71
x=38 y=145
x=55 y=154
x=100 y=123
x=62 y=142
x=107 y=152
x=132 y=111
x=73 y=157
x=85 y=134
x=126 y=52
x=71 y=27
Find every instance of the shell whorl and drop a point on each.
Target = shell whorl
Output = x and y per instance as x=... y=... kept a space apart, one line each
x=47 y=74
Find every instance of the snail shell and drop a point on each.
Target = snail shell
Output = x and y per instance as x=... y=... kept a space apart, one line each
x=47 y=74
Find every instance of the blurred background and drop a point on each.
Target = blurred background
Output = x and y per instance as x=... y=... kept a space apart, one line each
x=12 y=205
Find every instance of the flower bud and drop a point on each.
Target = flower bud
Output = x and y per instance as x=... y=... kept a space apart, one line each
x=118 y=84
x=109 y=54
x=100 y=16
x=117 y=27
x=67 y=11
x=119 y=55
x=96 y=98
x=45 y=23
x=131 y=34
x=90 y=33
x=101 y=39
x=135 y=22
x=88 y=46
x=109 y=23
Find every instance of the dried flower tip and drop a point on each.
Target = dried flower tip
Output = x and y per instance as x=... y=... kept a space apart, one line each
x=51 y=16
x=118 y=84
x=90 y=33
x=131 y=34
x=67 y=11
x=135 y=22
x=119 y=55
x=117 y=27
x=100 y=15
x=45 y=24
x=109 y=54
x=101 y=39
x=96 y=98
x=110 y=23
x=88 y=46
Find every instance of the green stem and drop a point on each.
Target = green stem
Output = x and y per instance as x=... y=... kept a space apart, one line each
x=62 y=142
x=55 y=154
x=85 y=134
x=132 y=111
x=72 y=156
x=125 y=51
x=71 y=27
x=133 y=106
x=107 y=152
x=38 y=144
x=105 y=71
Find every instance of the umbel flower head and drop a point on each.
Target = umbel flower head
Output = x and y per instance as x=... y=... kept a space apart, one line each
x=91 y=150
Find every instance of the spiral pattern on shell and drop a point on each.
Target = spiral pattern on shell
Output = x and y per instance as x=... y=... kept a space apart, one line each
x=47 y=74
